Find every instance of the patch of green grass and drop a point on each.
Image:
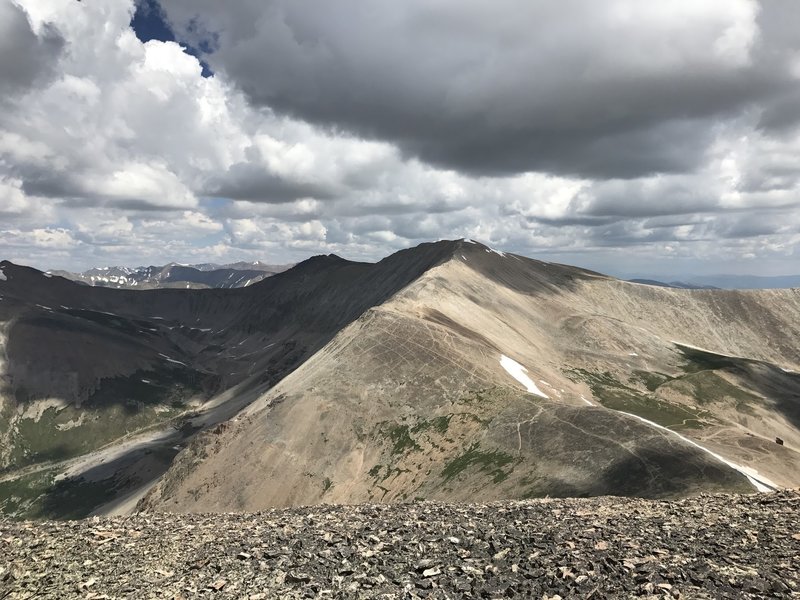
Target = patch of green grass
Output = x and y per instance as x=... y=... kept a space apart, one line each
x=375 y=471
x=401 y=439
x=613 y=394
x=438 y=424
x=707 y=387
x=43 y=440
x=492 y=462
x=18 y=496
x=37 y=496
x=650 y=379
x=326 y=484
x=120 y=405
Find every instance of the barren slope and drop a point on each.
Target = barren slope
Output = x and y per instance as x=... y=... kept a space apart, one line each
x=412 y=400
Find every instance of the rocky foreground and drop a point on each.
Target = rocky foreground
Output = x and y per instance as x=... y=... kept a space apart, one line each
x=707 y=547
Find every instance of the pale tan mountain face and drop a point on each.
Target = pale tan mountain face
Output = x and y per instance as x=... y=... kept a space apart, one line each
x=412 y=400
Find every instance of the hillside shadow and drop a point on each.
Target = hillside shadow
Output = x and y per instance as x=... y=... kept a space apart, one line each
x=522 y=274
x=779 y=387
x=669 y=473
x=77 y=498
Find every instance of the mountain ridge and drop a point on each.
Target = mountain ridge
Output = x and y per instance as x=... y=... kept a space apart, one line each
x=409 y=359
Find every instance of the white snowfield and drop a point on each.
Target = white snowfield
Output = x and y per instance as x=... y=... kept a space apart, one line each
x=761 y=483
x=518 y=372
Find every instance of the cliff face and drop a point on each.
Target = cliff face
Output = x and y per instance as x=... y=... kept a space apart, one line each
x=704 y=547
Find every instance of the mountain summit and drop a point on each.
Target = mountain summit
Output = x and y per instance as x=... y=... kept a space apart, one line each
x=448 y=371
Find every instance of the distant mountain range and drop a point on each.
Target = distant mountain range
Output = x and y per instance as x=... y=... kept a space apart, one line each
x=174 y=275
x=673 y=284
x=727 y=282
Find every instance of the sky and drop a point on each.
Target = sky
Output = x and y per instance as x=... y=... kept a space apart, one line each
x=634 y=138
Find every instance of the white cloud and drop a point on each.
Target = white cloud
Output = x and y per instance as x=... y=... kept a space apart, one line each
x=114 y=150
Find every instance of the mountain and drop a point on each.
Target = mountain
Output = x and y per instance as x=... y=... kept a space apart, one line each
x=176 y=276
x=674 y=284
x=448 y=371
x=756 y=282
x=728 y=282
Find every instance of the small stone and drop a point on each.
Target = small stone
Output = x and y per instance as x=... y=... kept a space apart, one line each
x=244 y=556
x=295 y=577
x=425 y=563
x=432 y=572
x=502 y=554
x=219 y=584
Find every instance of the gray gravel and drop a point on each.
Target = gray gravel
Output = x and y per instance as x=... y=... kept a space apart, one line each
x=707 y=547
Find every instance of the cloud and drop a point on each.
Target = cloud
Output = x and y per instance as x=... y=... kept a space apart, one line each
x=597 y=133
x=589 y=89
x=25 y=56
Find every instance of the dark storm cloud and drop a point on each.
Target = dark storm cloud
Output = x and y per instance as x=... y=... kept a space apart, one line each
x=618 y=198
x=24 y=56
x=48 y=182
x=246 y=181
x=579 y=88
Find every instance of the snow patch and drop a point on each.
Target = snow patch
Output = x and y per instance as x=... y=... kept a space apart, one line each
x=761 y=483
x=3 y=275
x=72 y=424
x=172 y=360
x=632 y=354
x=518 y=372
x=585 y=400
x=37 y=408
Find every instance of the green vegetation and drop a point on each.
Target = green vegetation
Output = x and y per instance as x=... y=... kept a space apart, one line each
x=402 y=440
x=492 y=462
x=53 y=436
x=438 y=424
x=37 y=496
x=326 y=484
x=615 y=395
x=120 y=406
x=18 y=497
x=707 y=387
x=650 y=379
